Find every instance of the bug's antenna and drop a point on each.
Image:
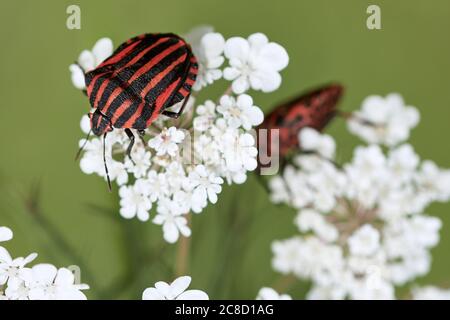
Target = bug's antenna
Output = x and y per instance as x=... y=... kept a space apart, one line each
x=83 y=146
x=104 y=161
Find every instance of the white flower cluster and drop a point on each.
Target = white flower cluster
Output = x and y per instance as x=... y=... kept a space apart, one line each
x=384 y=120
x=40 y=282
x=174 y=291
x=362 y=226
x=183 y=164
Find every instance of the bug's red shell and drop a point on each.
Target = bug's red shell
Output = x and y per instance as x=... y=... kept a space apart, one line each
x=313 y=109
x=144 y=76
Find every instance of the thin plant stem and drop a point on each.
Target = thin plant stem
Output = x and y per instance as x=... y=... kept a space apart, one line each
x=181 y=264
x=283 y=284
x=228 y=91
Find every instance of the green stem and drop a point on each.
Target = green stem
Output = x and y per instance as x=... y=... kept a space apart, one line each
x=181 y=265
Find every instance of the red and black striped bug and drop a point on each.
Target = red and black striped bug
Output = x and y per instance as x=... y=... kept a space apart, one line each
x=313 y=109
x=144 y=77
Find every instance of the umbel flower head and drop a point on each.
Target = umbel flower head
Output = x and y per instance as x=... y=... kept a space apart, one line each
x=40 y=282
x=181 y=165
x=362 y=226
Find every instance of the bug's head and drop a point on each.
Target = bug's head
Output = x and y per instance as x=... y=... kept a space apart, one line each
x=100 y=123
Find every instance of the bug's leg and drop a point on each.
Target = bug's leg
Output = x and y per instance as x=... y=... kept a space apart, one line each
x=84 y=91
x=130 y=146
x=104 y=162
x=141 y=134
x=176 y=115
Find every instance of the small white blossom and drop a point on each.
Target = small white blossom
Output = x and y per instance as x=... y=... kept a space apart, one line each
x=384 y=120
x=310 y=220
x=140 y=164
x=240 y=151
x=85 y=124
x=134 y=203
x=312 y=140
x=11 y=268
x=172 y=220
x=206 y=185
x=240 y=112
x=270 y=294
x=5 y=234
x=209 y=53
x=279 y=190
x=206 y=116
x=174 y=291
x=254 y=62
x=92 y=160
x=434 y=182
x=167 y=141
x=365 y=241
x=46 y=282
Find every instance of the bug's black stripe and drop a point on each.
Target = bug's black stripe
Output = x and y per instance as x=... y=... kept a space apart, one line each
x=142 y=81
x=126 y=73
x=151 y=73
x=107 y=69
x=145 y=43
x=149 y=109
x=138 y=85
x=179 y=97
x=151 y=97
x=171 y=100
x=146 y=40
x=102 y=123
x=97 y=85
x=122 y=75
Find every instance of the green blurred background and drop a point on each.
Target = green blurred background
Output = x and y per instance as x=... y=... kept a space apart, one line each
x=230 y=258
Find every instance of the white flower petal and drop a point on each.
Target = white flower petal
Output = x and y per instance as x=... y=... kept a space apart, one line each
x=171 y=233
x=152 y=294
x=193 y=295
x=87 y=60
x=275 y=55
x=179 y=285
x=237 y=48
x=103 y=48
x=5 y=234
x=77 y=76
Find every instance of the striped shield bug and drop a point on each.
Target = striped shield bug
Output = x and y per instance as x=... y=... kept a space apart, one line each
x=144 y=77
x=313 y=109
